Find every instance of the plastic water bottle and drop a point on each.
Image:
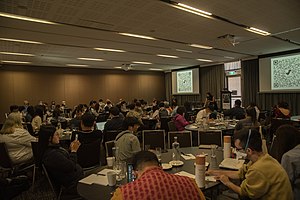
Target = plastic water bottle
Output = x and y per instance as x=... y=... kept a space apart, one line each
x=176 y=151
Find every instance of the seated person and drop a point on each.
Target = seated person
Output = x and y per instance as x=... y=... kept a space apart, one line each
x=249 y=121
x=37 y=119
x=115 y=122
x=206 y=113
x=87 y=133
x=179 y=120
x=153 y=183
x=262 y=177
x=61 y=165
x=282 y=110
x=237 y=111
x=17 y=140
x=76 y=121
x=127 y=141
x=291 y=159
x=133 y=113
x=161 y=112
x=210 y=100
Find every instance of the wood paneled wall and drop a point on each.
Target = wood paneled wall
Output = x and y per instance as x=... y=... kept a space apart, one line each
x=18 y=83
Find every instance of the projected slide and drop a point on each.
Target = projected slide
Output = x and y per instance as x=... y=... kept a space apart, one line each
x=285 y=73
x=185 y=81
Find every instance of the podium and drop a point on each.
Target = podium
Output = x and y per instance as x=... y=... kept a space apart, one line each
x=225 y=100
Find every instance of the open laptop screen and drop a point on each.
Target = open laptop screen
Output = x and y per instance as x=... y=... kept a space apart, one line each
x=100 y=125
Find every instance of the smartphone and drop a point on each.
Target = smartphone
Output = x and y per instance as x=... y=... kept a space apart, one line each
x=76 y=137
x=130 y=174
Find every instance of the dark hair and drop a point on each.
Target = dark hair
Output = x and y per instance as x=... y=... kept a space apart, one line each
x=283 y=104
x=46 y=133
x=287 y=137
x=161 y=104
x=14 y=108
x=38 y=111
x=92 y=102
x=114 y=111
x=254 y=137
x=252 y=113
x=138 y=104
x=130 y=121
x=238 y=103
x=209 y=96
x=144 y=157
x=21 y=108
x=181 y=110
x=131 y=106
x=88 y=119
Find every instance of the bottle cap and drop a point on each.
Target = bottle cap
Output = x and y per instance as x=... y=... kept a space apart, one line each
x=200 y=160
x=227 y=139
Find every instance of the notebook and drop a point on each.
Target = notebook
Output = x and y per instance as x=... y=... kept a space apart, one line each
x=231 y=163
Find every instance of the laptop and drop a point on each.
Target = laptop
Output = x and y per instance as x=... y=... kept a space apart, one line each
x=100 y=126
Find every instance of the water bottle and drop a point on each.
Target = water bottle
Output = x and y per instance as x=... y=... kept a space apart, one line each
x=176 y=151
x=213 y=158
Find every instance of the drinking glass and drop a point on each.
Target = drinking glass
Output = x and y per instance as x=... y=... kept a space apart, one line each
x=158 y=153
x=120 y=170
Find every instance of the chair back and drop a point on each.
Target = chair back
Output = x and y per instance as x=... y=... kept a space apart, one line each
x=57 y=190
x=5 y=160
x=88 y=154
x=108 y=148
x=30 y=129
x=36 y=153
x=210 y=137
x=171 y=126
x=154 y=138
x=110 y=135
x=164 y=123
x=183 y=137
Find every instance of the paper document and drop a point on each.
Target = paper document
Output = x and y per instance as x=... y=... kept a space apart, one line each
x=183 y=173
x=188 y=156
x=231 y=163
x=95 y=179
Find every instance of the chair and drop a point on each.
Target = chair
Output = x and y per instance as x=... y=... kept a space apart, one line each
x=88 y=155
x=5 y=161
x=275 y=124
x=210 y=137
x=164 y=123
x=108 y=148
x=183 y=137
x=154 y=138
x=37 y=161
x=171 y=126
x=110 y=135
x=57 y=190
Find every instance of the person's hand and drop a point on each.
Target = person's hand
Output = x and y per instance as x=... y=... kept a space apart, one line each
x=75 y=145
x=224 y=179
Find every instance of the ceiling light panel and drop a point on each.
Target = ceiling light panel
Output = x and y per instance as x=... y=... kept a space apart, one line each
x=141 y=62
x=19 y=17
x=167 y=56
x=16 y=54
x=76 y=65
x=200 y=46
x=91 y=59
x=138 y=36
x=204 y=60
x=111 y=50
x=15 y=62
x=22 y=41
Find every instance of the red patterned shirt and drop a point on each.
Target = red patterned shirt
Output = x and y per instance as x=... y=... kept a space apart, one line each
x=157 y=184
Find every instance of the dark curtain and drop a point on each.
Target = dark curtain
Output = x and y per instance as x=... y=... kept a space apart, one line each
x=168 y=84
x=250 y=81
x=212 y=80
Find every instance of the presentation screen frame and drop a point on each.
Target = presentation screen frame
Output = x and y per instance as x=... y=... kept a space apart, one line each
x=185 y=81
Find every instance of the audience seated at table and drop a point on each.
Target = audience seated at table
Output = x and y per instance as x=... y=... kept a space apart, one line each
x=94 y=108
x=206 y=114
x=252 y=104
x=29 y=114
x=127 y=141
x=289 y=144
x=262 y=177
x=179 y=120
x=61 y=165
x=87 y=133
x=76 y=120
x=153 y=183
x=132 y=113
x=249 y=121
x=168 y=107
x=282 y=110
x=115 y=122
x=210 y=100
x=174 y=109
x=161 y=112
x=17 y=140
x=237 y=111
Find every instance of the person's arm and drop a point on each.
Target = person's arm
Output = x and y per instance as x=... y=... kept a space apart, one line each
x=117 y=195
x=182 y=121
x=286 y=163
x=225 y=180
x=135 y=144
x=228 y=173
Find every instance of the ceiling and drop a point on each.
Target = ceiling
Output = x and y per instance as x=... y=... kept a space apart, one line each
x=83 y=25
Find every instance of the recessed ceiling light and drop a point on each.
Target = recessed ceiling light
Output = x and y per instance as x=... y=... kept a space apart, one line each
x=200 y=46
x=193 y=10
x=92 y=59
x=143 y=63
x=16 y=62
x=155 y=69
x=25 y=18
x=76 y=65
x=204 y=60
x=138 y=36
x=23 y=41
x=167 y=56
x=228 y=57
x=182 y=50
x=258 y=31
x=16 y=54
x=113 y=50
x=118 y=67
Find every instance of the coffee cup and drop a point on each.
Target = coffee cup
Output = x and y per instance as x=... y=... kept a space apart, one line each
x=110 y=161
x=112 y=178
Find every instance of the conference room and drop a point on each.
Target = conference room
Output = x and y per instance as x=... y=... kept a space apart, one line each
x=83 y=51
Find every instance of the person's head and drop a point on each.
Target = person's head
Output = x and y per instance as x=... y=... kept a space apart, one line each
x=209 y=96
x=138 y=104
x=131 y=124
x=26 y=103
x=181 y=110
x=100 y=100
x=48 y=135
x=288 y=137
x=14 y=108
x=16 y=118
x=251 y=112
x=142 y=160
x=87 y=120
x=30 y=110
x=283 y=104
x=114 y=111
x=167 y=104
x=161 y=104
x=209 y=108
x=38 y=111
x=131 y=106
x=93 y=103
x=8 y=127
x=237 y=103
x=248 y=141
